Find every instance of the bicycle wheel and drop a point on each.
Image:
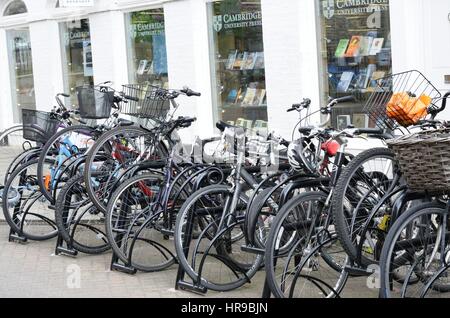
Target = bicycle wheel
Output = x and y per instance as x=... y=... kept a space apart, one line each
x=12 y=145
x=210 y=250
x=304 y=259
x=64 y=147
x=112 y=154
x=417 y=248
x=134 y=221
x=24 y=206
x=79 y=222
x=361 y=186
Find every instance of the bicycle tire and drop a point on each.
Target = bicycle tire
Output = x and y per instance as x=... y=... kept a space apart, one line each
x=339 y=215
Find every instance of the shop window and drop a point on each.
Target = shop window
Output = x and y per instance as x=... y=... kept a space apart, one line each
x=147 y=53
x=237 y=59
x=15 y=7
x=21 y=64
x=77 y=56
x=356 y=51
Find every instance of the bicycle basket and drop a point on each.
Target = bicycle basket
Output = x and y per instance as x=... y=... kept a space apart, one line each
x=151 y=101
x=424 y=160
x=401 y=100
x=94 y=103
x=44 y=125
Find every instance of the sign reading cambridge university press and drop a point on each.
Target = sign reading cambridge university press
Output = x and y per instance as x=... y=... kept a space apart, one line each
x=331 y=8
x=238 y=20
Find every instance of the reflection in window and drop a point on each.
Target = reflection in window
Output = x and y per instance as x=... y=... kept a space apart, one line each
x=22 y=82
x=147 y=47
x=237 y=55
x=356 y=51
x=15 y=7
x=77 y=56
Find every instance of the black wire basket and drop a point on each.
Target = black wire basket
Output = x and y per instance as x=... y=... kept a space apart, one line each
x=44 y=125
x=95 y=103
x=150 y=101
x=401 y=100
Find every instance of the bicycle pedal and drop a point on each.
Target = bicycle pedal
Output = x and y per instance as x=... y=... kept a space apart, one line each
x=17 y=238
x=66 y=251
x=199 y=290
x=357 y=271
x=123 y=269
x=252 y=250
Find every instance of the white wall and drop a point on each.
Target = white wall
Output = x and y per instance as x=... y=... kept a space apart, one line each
x=109 y=49
x=421 y=39
x=188 y=61
x=291 y=57
x=47 y=64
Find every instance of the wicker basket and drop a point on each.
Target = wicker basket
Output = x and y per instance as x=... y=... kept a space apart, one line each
x=424 y=159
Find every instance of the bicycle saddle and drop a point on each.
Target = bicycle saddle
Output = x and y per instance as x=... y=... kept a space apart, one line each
x=124 y=122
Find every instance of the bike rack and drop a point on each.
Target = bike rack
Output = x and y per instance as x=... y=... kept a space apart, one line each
x=181 y=284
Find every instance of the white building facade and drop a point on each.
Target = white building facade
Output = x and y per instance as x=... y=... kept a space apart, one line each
x=250 y=59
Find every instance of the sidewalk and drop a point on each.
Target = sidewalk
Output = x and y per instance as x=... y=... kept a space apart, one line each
x=32 y=270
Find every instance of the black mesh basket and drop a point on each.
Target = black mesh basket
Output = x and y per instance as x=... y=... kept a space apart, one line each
x=401 y=100
x=44 y=125
x=151 y=102
x=94 y=103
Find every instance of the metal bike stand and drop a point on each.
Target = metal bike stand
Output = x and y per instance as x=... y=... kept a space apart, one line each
x=116 y=263
x=181 y=283
x=196 y=286
x=64 y=249
x=14 y=236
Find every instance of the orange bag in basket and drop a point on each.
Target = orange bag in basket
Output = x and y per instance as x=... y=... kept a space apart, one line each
x=407 y=110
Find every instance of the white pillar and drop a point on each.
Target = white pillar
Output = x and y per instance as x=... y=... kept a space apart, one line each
x=291 y=57
x=109 y=49
x=47 y=63
x=188 y=61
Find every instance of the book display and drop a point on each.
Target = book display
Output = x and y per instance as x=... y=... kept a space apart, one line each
x=356 y=53
x=147 y=48
x=239 y=68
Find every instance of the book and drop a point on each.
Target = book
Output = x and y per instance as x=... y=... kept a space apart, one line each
x=345 y=81
x=377 y=46
x=231 y=59
x=374 y=79
x=372 y=68
x=259 y=63
x=232 y=95
x=361 y=120
x=343 y=122
x=240 y=96
x=142 y=67
x=250 y=61
x=244 y=60
x=354 y=46
x=342 y=48
x=384 y=57
x=361 y=79
x=259 y=98
x=366 y=76
x=366 y=45
x=238 y=61
x=249 y=97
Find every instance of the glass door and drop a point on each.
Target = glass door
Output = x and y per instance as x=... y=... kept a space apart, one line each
x=21 y=64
